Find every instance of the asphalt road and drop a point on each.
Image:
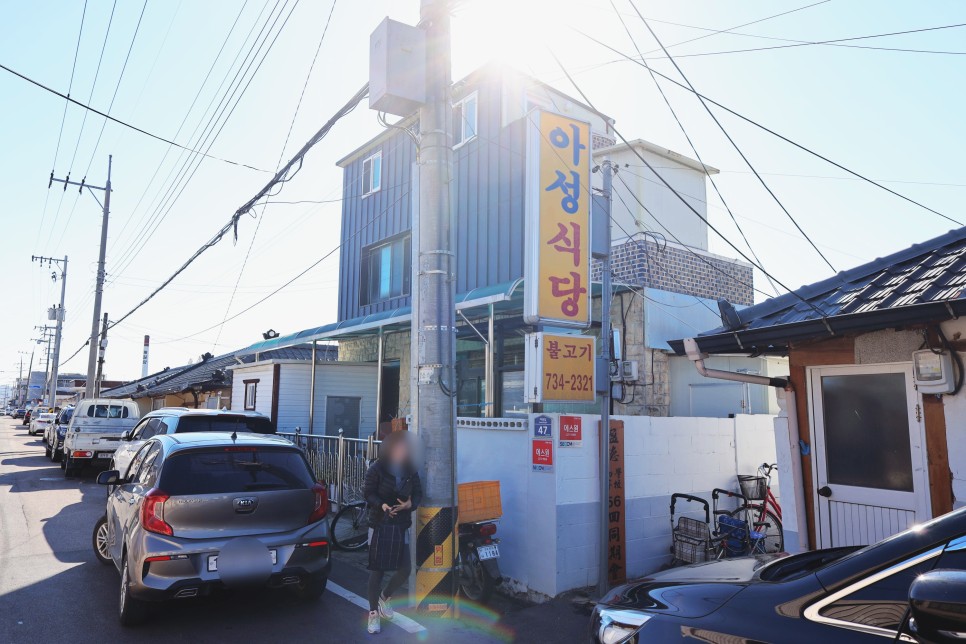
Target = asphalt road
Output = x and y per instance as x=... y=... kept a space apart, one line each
x=52 y=588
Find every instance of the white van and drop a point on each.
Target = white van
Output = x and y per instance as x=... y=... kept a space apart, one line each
x=95 y=432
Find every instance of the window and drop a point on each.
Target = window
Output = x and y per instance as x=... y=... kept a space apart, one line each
x=342 y=416
x=153 y=427
x=227 y=424
x=372 y=174
x=385 y=269
x=147 y=474
x=464 y=120
x=230 y=470
x=107 y=411
x=250 y=388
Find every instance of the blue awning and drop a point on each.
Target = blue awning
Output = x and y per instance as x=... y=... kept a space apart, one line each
x=395 y=318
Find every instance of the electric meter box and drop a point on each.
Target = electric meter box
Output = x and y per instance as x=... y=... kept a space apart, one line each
x=933 y=372
x=397 y=68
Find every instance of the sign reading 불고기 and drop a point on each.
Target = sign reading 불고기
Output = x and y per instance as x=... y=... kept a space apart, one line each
x=559 y=368
x=557 y=272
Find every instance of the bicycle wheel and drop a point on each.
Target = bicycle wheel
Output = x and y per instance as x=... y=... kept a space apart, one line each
x=768 y=524
x=350 y=528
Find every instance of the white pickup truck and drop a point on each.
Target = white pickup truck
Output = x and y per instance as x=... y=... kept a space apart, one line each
x=95 y=432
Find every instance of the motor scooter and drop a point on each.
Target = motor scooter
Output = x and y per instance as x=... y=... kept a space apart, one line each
x=477 y=567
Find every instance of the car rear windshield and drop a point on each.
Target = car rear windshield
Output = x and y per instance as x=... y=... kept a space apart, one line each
x=229 y=470
x=228 y=424
x=107 y=411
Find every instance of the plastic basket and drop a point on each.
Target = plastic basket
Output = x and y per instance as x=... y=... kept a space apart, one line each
x=479 y=501
x=753 y=488
x=691 y=540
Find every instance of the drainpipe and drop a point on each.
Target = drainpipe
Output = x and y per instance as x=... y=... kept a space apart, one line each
x=791 y=409
x=695 y=356
x=315 y=346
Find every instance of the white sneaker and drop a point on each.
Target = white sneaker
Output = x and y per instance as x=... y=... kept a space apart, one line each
x=385 y=610
x=374 y=625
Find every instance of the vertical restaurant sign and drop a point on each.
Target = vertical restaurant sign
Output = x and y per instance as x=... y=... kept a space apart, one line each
x=571 y=431
x=557 y=273
x=541 y=444
x=616 y=538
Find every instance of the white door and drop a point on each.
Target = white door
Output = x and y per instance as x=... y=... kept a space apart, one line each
x=868 y=456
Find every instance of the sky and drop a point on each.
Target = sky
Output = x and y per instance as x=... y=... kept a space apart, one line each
x=894 y=116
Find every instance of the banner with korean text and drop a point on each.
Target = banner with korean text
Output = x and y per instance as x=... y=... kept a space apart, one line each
x=559 y=368
x=557 y=274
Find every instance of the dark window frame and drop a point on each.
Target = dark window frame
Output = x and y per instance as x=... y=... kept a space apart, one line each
x=254 y=391
x=400 y=270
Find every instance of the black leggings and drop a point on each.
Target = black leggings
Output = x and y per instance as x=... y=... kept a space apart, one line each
x=398 y=578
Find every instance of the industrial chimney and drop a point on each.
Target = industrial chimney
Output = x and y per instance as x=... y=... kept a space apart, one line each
x=144 y=359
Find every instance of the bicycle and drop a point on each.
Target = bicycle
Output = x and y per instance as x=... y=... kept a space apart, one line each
x=350 y=527
x=760 y=508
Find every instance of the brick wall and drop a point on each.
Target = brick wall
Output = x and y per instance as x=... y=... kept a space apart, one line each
x=642 y=262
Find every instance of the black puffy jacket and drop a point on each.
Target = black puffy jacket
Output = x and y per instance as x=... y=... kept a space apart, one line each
x=380 y=487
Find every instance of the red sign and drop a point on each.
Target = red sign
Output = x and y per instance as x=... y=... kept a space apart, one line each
x=542 y=455
x=571 y=431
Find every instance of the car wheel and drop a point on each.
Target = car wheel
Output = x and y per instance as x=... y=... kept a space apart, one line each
x=47 y=452
x=58 y=456
x=100 y=540
x=311 y=588
x=131 y=611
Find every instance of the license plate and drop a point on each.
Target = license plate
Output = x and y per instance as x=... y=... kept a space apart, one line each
x=213 y=561
x=487 y=552
x=105 y=454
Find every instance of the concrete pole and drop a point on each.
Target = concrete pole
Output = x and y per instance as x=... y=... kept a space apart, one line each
x=433 y=325
x=30 y=368
x=57 y=331
x=99 y=289
x=101 y=348
x=20 y=385
x=605 y=336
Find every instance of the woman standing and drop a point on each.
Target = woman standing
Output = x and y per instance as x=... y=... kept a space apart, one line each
x=392 y=491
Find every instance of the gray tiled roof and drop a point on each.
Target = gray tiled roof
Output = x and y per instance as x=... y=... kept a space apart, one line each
x=210 y=373
x=923 y=283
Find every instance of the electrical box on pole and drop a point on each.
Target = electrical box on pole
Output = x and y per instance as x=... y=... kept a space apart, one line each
x=397 y=68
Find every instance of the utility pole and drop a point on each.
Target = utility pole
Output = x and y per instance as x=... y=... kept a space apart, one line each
x=30 y=369
x=99 y=289
x=605 y=401
x=102 y=347
x=20 y=385
x=433 y=321
x=55 y=313
x=45 y=336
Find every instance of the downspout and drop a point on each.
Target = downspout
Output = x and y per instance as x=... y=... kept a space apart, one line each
x=791 y=409
x=315 y=344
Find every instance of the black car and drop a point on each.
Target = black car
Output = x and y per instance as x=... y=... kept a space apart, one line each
x=852 y=594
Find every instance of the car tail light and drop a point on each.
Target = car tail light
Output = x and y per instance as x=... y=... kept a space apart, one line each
x=488 y=529
x=152 y=513
x=321 y=503
x=81 y=454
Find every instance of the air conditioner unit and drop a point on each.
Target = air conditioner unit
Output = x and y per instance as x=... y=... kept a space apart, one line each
x=629 y=370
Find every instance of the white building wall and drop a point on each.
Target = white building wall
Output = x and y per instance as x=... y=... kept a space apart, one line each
x=263 y=393
x=558 y=512
x=955 y=408
x=694 y=395
x=680 y=220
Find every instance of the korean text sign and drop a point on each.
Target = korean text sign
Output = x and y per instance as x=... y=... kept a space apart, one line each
x=558 y=221
x=568 y=368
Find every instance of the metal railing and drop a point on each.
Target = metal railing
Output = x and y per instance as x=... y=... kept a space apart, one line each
x=339 y=461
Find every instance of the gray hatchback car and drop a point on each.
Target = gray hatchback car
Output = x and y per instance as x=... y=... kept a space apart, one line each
x=204 y=511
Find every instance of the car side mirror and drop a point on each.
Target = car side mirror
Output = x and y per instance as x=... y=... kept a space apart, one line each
x=110 y=477
x=937 y=602
x=126 y=435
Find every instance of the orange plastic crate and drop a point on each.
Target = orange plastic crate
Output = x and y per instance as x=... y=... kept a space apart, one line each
x=479 y=501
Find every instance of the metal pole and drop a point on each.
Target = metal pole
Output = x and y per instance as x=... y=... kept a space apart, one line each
x=490 y=395
x=99 y=289
x=605 y=337
x=30 y=368
x=57 y=331
x=433 y=322
x=101 y=348
x=315 y=344
x=47 y=370
x=379 y=382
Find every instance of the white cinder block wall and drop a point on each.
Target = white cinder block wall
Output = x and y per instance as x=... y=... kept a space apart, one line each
x=550 y=523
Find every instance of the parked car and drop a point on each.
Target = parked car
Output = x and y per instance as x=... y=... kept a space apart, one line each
x=95 y=431
x=39 y=423
x=200 y=511
x=56 y=431
x=178 y=420
x=19 y=413
x=848 y=594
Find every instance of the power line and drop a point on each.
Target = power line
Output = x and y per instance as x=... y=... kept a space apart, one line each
x=687 y=137
x=731 y=140
x=680 y=197
x=123 y=123
x=773 y=132
x=279 y=178
x=170 y=198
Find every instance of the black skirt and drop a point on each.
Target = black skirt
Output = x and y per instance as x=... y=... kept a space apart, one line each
x=386 y=547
